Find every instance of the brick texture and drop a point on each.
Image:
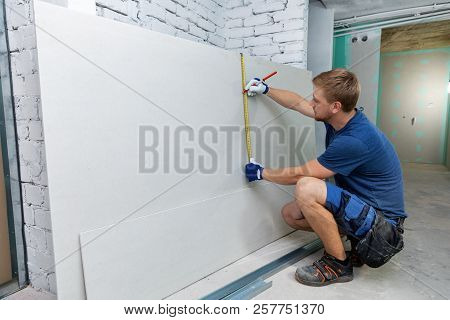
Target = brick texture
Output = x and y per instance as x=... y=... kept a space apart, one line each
x=197 y=20
x=273 y=29
x=279 y=27
x=26 y=93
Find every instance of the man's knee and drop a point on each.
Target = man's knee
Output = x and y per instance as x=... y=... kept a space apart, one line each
x=305 y=190
x=287 y=213
x=293 y=217
x=310 y=192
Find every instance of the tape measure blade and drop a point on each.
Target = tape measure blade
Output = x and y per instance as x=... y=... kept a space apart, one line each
x=246 y=114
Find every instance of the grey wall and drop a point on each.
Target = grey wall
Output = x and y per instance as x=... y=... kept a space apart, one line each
x=414 y=85
x=362 y=58
x=320 y=38
x=320 y=52
x=364 y=61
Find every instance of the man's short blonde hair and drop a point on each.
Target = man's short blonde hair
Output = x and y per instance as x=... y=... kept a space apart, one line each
x=339 y=85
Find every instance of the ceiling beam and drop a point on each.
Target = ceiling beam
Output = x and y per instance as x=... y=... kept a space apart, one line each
x=421 y=36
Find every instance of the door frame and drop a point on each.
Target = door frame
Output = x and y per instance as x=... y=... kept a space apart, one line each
x=9 y=145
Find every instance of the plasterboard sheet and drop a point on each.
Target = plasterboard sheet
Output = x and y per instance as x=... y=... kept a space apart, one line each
x=100 y=82
x=155 y=256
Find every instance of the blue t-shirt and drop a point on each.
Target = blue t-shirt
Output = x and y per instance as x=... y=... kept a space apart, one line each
x=366 y=164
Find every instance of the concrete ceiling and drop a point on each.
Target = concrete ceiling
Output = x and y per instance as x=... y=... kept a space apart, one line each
x=350 y=8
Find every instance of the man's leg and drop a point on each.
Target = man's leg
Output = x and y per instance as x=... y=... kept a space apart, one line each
x=294 y=217
x=310 y=197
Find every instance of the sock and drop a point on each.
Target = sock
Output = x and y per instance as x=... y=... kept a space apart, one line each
x=344 y=262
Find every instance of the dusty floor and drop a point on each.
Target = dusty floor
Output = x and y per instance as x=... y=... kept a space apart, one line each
x=30 y=293
x=420 y=271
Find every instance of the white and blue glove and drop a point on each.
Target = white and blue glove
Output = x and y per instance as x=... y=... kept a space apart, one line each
x=256 y=86
x=253 y=170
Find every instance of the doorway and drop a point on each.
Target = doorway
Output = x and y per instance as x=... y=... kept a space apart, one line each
x=413 y=106
x=5 y=253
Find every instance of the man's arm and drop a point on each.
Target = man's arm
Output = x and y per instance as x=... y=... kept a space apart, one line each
x=291 y=175
x=285 y=98
x=292 y=101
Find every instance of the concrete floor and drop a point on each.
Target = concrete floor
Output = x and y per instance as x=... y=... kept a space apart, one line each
x=420 y=271
x=243 y=266
x=29 y=293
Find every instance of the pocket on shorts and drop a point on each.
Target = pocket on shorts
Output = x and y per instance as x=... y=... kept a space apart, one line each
x=339 y=213
x=354 y=216
x=380 y=244
x=354 y=208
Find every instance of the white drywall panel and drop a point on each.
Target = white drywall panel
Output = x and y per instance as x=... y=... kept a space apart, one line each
x=85 y=6
x=98 y=81
x=155 y=256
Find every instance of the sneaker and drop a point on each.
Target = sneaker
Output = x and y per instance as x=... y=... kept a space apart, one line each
x=325 y=271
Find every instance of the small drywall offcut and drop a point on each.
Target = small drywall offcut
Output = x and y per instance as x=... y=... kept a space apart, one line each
x=148 y=234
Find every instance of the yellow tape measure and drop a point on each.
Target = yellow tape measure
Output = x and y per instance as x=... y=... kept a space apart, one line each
x=246 y=120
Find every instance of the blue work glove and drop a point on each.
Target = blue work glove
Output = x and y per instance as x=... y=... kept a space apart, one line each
x=253 y=170
x=256 y=86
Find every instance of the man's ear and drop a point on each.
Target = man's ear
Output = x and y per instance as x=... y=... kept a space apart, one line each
x=336 y=107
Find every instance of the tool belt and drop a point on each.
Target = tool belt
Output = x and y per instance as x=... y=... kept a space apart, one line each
x=382 y=241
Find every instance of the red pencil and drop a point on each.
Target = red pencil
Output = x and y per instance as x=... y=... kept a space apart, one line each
x=264 y=79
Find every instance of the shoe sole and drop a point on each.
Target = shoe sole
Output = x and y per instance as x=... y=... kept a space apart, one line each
x=322 y=284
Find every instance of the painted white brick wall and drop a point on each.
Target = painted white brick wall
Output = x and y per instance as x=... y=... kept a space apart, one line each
x=26 y=92
x=273 y=29
x=197 y=20
x=230 y=24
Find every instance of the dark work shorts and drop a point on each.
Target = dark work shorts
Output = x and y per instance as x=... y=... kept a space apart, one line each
x=353 y=216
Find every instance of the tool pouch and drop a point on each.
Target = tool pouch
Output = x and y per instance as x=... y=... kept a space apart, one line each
x=381 y=243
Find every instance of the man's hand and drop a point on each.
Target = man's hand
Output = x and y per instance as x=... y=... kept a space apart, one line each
x=256 y=86
x=253 y=171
